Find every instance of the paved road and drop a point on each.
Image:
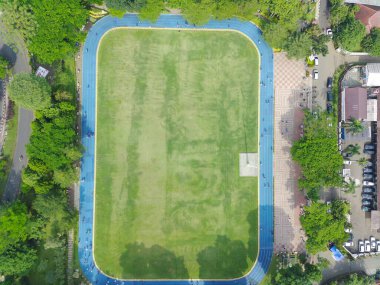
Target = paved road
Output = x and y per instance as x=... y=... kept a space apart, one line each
x=12 y=187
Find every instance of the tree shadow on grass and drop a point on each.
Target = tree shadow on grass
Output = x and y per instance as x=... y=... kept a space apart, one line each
x=225 y=259
x=140 y=262
x=253 y=236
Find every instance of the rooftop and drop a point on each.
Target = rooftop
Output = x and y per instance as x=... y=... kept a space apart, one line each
x=355 y=103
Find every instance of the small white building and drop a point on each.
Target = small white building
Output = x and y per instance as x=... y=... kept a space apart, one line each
x=372 y=75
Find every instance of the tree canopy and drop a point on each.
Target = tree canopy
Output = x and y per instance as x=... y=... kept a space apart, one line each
x=4 y=65
x=299 y=274
x=349 y=34
x=298 y=45
x=30 y=91
x=355 y=279
x=324 y=224
x=58 y=31
x=317 y=153
x=371 y=43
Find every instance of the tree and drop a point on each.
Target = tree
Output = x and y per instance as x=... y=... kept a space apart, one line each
x=350 y=34
x=319 y=44
x=4 y=65
x=338 y=11
x=298 y=45
x=292 y=276
x=13 y=225
x=324 y=224
x=18 y=18
x=275 y=34
x=350 y=187
x=317 y=154
x=371 y=43
x=198 y=13
x=352 y=149
x=30 y=91
x=355 y=126
x=59 y=24
x=151 y=11
x=17 y=260
x=130 y=5
x=363 y=161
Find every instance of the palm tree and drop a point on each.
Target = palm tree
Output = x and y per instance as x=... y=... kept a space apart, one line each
x=350 y=187
x=362 y=161
x=353 y=149
x=355 y=126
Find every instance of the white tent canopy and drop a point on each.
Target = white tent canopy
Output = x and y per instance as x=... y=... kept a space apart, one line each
x=372 y=71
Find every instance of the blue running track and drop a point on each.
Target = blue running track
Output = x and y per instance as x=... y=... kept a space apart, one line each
x=86 y=212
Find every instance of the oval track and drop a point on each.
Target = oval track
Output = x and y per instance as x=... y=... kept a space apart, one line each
x=86 y=211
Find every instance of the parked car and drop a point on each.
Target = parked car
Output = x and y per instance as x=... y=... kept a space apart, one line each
x=348 y=230
x=369 y=190
x=369 y=163
x=316 y=60
x=368 y=183
x=369 y=146
x=367 y=170
x=329 y=96
x=329 y=32
x=329 y=82
x=349 y=243
x=361 y=246
x=367 y=196
x=378 y=246
x=366 y=202
x=329 y=108
x=367 y=245
x=373 y=242
x=368 y=176
x=315 y=74
x=366 y=209
x=369 y=151
x=347 y=154
x=347 y=162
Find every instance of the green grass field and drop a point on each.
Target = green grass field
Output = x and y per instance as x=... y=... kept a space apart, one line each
x=174 y=110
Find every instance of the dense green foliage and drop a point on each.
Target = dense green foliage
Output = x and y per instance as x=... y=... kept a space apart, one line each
x=30 y=91
x=4 y=65
x=298 y=45
x=17 y=16
x=371 y=43
x=317 y=153
x=17 y=260
x=53 y=147
x=349 y=34
x=58 y=28
x=324 y=224
x=355 y=279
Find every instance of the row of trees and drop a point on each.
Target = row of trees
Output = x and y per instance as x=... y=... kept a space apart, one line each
x=279 y=19
x=350 y=33
x=318 y=155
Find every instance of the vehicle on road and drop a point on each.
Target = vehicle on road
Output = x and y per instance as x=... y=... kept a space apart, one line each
x=316 y=60
x=369 y=190
x=361 y=246
x=348 y=230
x=367 y=170
x=367 y=196
x=366 y=209
x=373 y=242
x=349 y=243
x=347 y=162
x=367 y=177
x=367 y=245
x=347 y=154
x=315 y=74
x=329 y=32
x=369 y=151
x=369 y=146
x=329 y=84
x=367 y=202
x=368 y=183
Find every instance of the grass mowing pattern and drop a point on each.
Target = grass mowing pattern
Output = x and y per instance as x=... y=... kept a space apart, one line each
x=173 y=112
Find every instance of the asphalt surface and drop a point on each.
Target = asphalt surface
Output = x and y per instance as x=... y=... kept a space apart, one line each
x=12 y=188
x=86 y=211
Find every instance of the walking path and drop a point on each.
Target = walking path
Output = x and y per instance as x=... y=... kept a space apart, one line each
x=288 y=83
x=90 y=270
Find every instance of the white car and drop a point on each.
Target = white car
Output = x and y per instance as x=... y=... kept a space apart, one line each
x=315 y=74
x=329 y=32
x=373 y=242
x=367 y=245
x=349 y=243
x=316 y=60
x=347 y=162
x=348 y=230
x=361 y=246
x=378 y=246
x=368 y=183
